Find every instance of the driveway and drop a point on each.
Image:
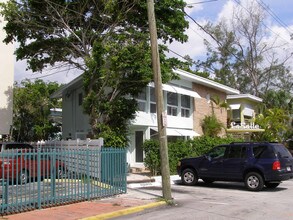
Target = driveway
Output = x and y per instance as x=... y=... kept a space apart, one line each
x=222 y=200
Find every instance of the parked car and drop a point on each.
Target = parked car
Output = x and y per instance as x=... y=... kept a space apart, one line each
x=4 y=146
x=21 y=165
x=255 y=164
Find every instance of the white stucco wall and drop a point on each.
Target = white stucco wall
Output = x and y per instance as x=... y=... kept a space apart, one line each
x=6 y=82
x=75 y=122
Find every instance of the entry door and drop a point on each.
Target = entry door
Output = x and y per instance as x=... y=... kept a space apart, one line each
x=138 y=146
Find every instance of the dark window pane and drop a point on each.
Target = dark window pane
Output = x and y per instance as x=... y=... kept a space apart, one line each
x=185 y=101
x=185 y=113
x=80 y=99
x=142 y=95
x=217 y=152
x=237 y=152
x=263 y=152
x=172 y=98
x=152 y=94
x=153 y=108
x=141 y=106
x=282 y=151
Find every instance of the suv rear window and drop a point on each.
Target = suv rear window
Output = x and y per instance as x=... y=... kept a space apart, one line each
x=282 y=151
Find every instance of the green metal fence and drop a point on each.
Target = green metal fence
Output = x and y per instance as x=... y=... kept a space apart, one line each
x=45 y=177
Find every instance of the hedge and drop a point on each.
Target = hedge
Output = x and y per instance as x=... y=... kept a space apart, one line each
x=178 y=150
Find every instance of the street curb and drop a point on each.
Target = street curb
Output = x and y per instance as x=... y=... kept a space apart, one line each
x=126 y=211
x=156 y=181
x=150 y=180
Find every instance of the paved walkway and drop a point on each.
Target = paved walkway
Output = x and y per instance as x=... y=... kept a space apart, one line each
x=133 y=201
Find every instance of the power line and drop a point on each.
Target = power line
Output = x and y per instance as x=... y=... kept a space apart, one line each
x=195 y=3
x=274 y=16
x=278 y=35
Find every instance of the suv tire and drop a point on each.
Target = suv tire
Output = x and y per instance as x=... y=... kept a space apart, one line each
x=189 y=177
x=254 y=181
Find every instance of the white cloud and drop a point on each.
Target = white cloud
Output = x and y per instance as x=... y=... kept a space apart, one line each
x=227 y=11
x=50 y=75
x=194 y=47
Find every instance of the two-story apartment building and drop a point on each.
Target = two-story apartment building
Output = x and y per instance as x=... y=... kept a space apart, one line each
x=186 y=102
x=241 y=114
x=6 y=82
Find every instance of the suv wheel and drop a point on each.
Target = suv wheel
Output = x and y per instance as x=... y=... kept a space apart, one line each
x=271 y=185
x=189 y=177
x=254 y=181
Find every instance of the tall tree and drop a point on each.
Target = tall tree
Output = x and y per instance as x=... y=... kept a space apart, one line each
x=31 y=110
x=244 y=57
x=107 y=40
x=279 y=99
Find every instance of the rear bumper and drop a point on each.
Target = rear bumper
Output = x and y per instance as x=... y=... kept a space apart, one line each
x=279 y=176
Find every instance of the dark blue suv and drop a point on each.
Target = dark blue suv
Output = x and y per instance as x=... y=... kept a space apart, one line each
x=255 y=164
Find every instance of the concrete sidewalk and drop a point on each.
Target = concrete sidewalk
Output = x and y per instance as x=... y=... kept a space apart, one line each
x=134 y=200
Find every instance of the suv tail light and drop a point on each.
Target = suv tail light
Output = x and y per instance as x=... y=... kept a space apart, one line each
x=276 y=165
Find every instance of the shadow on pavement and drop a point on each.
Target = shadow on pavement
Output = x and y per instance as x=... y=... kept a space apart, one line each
x=229 y=186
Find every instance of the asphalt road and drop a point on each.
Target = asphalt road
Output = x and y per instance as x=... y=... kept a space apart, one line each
x=222 y=200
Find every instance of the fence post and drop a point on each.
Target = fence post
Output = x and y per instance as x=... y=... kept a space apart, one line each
x=124 y=152
x=53 y=175
x=39 y=177
x=5 y=195
x=88 y=173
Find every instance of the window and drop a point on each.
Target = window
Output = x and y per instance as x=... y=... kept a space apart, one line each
x=247 y=119
x=237 y=152
x=263 y=151
x=235 y=114
x=282 y=151
x=185 y=106
x=217 y=152
x=172 y=103
x=153 y=106
x=80 y=99
x=141 y=100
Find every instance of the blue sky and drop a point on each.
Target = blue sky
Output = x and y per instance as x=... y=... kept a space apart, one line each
x=202 y=13
x=212 y=11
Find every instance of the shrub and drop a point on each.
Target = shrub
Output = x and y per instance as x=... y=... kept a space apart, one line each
x=178 y=150
x=152 y=158
x=211 y=126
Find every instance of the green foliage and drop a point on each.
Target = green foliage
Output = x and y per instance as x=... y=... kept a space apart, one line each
x=180 y=149
x=152 y=156
x=211 y=125
x=31 y=110
x=278 y=99
x=275 y=122
x=53 y=31
x=107 y=40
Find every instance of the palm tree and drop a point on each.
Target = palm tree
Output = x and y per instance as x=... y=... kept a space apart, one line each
x=211 y=125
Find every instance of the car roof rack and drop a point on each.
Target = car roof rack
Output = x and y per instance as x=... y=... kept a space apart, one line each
x=251 y=142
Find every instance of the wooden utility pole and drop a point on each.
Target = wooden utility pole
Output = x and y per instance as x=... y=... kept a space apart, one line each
x=161 y=117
